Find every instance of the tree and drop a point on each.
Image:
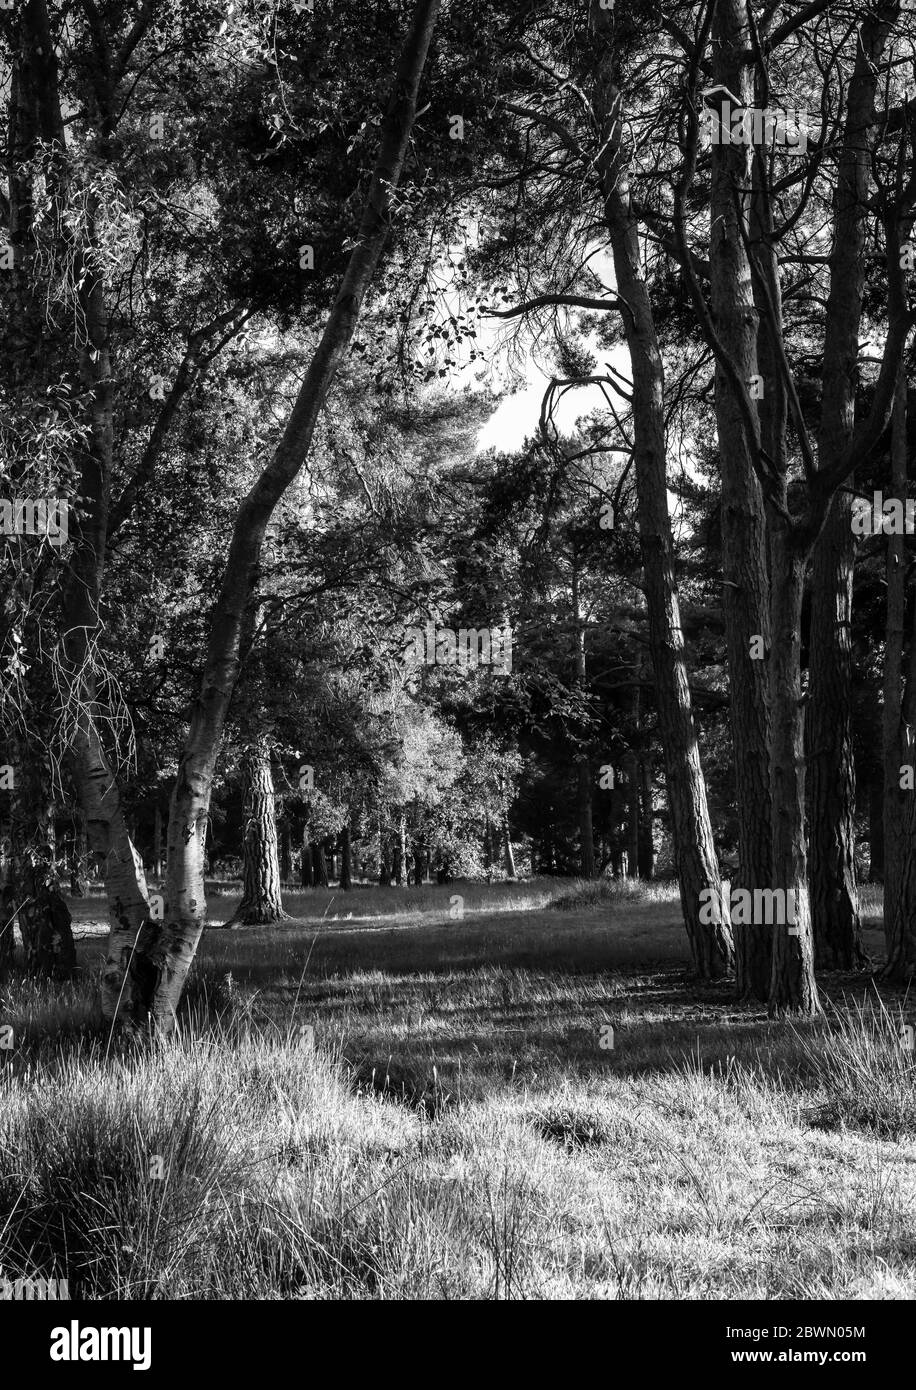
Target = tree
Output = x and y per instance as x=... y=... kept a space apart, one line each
x=793 y=536
x=262 y=903
x=165 y=950
x=745 y=577
x=899 y=726
x=698 y=872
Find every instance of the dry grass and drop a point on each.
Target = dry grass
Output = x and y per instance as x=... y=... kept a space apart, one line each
x=460 y=1131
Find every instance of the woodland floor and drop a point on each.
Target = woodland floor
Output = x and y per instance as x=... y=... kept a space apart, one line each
x=459 y=1131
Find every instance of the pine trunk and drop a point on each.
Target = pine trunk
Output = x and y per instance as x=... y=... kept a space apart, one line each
x=829 y=747
x=319 y=865
x=876 y=826
x=899 y=728
x=834 y=894
x=346 y=860
x=262 y=903
x=306 y=872
x=631 y=777
x=694 y=851
x=745 y=576
x=792 y=988
x=508 y=851
x=646 y=857
x=584 y=816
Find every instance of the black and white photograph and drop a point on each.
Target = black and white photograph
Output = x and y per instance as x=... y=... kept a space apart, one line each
x=457 y=670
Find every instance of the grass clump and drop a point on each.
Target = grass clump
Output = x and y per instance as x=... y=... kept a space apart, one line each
x=863 y=1065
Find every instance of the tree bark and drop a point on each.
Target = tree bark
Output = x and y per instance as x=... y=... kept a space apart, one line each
x=7 y=909
x=583 y=767
x=792 y=988
x=834 y=894
x=167 y=949
x=400 y=852
x=157 y=839
x=319 y=864
x=744 y=541
x=79 y=856
x=508 y=851
x=419 y=863
x=646 y=853
x=899 y=727
x=36 y=115
x=384 y=854
x=346 y=863
x=306 y=873
x=262 y=902
x=876 y=826
x=631 y=775
x=694 y=851
x=829 y=751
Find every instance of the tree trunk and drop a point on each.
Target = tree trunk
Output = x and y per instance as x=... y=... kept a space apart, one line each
x=508 y=851
x=42 y=913
x=694 y=852
x=38 y=87
x=744 y=541
x=79 y=856
x=400 y=852
x=584 y=816
x=583 y=769
x=346 y=864
x=646 y=853
x=899 y=727
x=262 y=903
x=876 y=826
x=834 y=895
x=319 y=864
x=792 y=988
x=384 y=854
x=829 y=747
x=166 y=951
x=157 y=840
x=125 y=880
x=7 y=908
x=631 y=778
x=306 y=872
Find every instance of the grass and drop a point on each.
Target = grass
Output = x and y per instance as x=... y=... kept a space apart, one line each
x=459 y=1131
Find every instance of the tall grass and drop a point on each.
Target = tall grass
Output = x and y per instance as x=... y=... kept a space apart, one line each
x=458 y=1131
x=238 y=1162
x=865 y=1069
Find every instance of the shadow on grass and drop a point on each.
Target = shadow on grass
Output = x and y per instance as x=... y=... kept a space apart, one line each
x=502 y=993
